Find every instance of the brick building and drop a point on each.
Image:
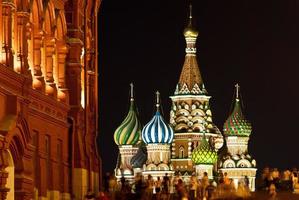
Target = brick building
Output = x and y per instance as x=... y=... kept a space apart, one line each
x=48 y=99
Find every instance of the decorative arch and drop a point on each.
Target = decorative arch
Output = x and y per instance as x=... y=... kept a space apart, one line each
x=243 y=163
x=163 y=166
x=18 y=143
x=151 y=167
x=16 y=147
x=61 y=27
x=229 y=164
x=49 y=22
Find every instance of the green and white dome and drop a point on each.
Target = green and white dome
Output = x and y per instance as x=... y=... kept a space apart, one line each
x=204 y=154
x=236 y=124
x=128 y=133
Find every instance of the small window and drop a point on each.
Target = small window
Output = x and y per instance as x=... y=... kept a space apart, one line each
x=181 y=152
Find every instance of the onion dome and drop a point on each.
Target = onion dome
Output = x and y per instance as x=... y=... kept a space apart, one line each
x=190 y=31
x=128 y=133
x=236 y=124
x=203 y=153
x=157 y=130
x=139 y=159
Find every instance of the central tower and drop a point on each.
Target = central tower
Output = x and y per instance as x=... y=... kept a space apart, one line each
x=190 y=114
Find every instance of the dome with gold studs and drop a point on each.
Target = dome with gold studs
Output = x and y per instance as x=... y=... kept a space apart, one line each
x=204 y=154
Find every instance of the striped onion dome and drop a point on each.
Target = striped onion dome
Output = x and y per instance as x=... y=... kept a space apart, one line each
x=128 y=133
x=156 y=130
x=236 y=124
x=204 y=154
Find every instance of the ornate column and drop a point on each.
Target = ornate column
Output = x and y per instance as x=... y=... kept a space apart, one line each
x=49 y=53
x=22 y=54
x=7 y=9
x=38 y=80
x=62 y=51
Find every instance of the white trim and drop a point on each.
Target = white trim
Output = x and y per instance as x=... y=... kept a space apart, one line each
x=189 y=96
x=180 y=159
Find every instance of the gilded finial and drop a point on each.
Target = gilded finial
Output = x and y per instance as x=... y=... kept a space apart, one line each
x=189 y=30
x=132 y=92
x=157 y=99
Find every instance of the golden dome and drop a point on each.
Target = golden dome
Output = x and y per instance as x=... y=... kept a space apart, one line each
x=190 y=31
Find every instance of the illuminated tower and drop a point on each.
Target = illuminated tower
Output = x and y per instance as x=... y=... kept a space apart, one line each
x=237 y=163
x=126 y=136
x=190 y=109
x=157 y=135
x=204 y=158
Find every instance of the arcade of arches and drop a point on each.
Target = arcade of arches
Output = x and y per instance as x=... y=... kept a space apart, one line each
x=48 y=99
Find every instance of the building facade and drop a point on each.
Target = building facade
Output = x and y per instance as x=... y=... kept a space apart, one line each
x=194 y=145
x=48 y=99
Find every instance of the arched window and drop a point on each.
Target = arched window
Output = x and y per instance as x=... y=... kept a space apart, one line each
x=181 y=152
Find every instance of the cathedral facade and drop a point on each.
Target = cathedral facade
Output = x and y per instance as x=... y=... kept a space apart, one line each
x=48 y=99
x=190 y=144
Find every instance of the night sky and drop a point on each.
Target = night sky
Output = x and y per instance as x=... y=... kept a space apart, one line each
x=252 y=42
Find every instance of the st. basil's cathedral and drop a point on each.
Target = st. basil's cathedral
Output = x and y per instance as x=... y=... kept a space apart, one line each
x=190 y=144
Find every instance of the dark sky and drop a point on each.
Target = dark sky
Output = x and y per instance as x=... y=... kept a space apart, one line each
x=252 y=42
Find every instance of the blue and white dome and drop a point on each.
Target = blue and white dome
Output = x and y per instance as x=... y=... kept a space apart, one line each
x=157 y=131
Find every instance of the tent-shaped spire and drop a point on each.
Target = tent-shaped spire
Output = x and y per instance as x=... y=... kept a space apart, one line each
x=190 y=81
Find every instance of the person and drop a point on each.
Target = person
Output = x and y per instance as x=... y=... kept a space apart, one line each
x=272 y=192
x=180 y=190
x=205 y=183
x=138 y=186
x=226 y=180
x=193 y=188
x=295 y=182
x=158 y=184
x=211 y=188
x=112 y=186
x=165 y=186
x=149 y=187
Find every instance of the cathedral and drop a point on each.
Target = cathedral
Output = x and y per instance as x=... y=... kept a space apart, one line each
x=48 y=99
x=190 y=144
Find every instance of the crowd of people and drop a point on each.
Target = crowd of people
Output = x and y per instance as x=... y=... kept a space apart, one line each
x=162 y=188
x=274 y=180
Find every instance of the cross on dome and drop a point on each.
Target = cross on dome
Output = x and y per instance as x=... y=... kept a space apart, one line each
x=237 y=90
x=157 y=99
x=131 y=92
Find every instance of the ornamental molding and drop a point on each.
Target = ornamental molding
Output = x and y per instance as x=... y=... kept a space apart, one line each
x=190 y=97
